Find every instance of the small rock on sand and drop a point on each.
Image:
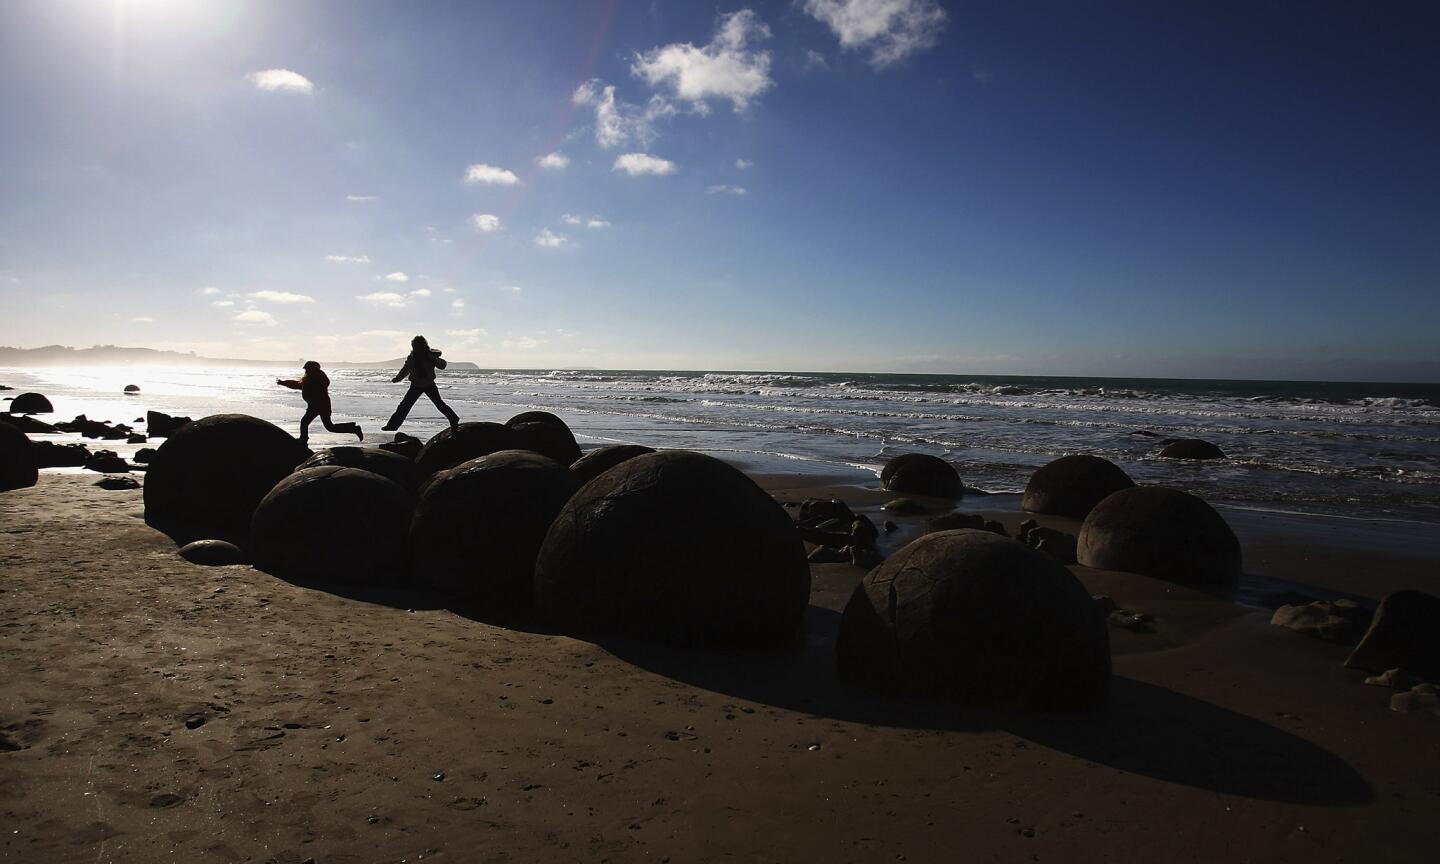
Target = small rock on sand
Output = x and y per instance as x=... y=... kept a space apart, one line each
x=1422 y=697
x=1339 y=621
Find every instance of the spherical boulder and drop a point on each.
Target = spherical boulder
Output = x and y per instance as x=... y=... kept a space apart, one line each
x=602 y=459
x=1191 y=448
x=478 y=526
x=1161 y=532
x=333 y=523
x=535 y=417
x=462 y=443
x=973 y=617
x=132 y=388
x=548 y=439
x=1073 y=485
x=207 y=478
x=31 y=403
x=922 y=474
x=17 y=459
x=213 y=553
x=383 y=462
x=679 y=548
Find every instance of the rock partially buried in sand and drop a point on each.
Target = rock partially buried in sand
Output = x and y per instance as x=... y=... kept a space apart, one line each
x=922 y=474
x=602 y=459
x=1422 y=697
x=1330 y=620
x=478 y=526
x=213 y=553
x=1073 y=485
x=1164 y=533
x=132 y=388
x=905 y=506
x=159 y=425
x=970 y=616
x=206 y=480
x=116 y=483
x=547 y=439
x=335 y=524
x=1405 y=633
x=679 y=548
x=17 y=460
x=31 y=403
x=1191 y=448
x=106 y=462
x=467 y=441
x=372 y=459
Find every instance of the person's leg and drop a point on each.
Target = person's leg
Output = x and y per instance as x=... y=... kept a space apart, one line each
x=305 y=424
x=404 y=409
x=434 y=393
x=348 y=428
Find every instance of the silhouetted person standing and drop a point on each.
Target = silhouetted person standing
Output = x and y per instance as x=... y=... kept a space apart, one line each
x=314 y=385
x=420 y=366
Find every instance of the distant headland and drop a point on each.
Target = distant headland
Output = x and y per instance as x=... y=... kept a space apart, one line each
x=114 y=355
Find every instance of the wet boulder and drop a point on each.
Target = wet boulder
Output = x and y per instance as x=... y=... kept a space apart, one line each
x=825 y=508
x=548 y=439
x=106 y=462
x=132 y=389
x=17 y=459
x=158 y=425
x=450 y=447
x=143 y=455
x=536 y=417
x=117 y=483
x=602 y=459
x=970 y=616
x=1405 y=634
x=206 y=480
x=404 y=445
x=478 y=527
x=1191 y=448
x=213 y=553
x=372 y=459
x=1073 y=485
x=1161 y=532
x=922 y=474
x=334 y=524
x=679 y=548
x=1339 y=621
x=31 y=403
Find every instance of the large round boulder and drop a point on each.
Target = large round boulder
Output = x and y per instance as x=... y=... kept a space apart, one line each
x=390 y=465
x=31 y=403
x=535 y=417
x=602 y=459
x=17 y=459
x=462 y=443
x=549 y=439
x=478 y=526
x=922 y=474
x=1161 y=532
x=335 y=524
x=206 y=479
x=1073 y=485
x=974 y=617
x=132 y=389
x=679 y=548
x=1191 y=448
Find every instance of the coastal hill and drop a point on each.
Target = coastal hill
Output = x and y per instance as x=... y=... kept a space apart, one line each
x=114 y=355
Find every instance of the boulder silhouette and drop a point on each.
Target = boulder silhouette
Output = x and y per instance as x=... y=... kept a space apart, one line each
x=333 y=523
x=1161 y=532
x=132 y=388
x=922 y=474
x=973 y=617
x=205 y=480
x=602 y=459
x=549 y=439
x=478 y=526
x=31 y=403
x=17 y=459
x=1191 y=448
x=213 y=553
x=535 y=417
x=373 y=459
x=1073 y=485
x=48 y=454
x=1404 y=634
x=679 y=548
x=159 y=425
x=28 y=425
x=403 y=445
x=467 y=441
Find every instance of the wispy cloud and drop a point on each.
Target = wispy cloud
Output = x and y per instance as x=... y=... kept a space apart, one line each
x=618 y=122
x=523 y=343
x=490 y=175
x=474 y=333
x=513 y=289
x=284 y=297
x=223 y=304
x=397 y=277
x=420 y=292
x=743 y=164
x=890 y=29
x=348 y=259
x=457 y=304
x=388 y=299
x=550 y=240
x=143 y=319
x=723 y=69
x=636 y=164
x=553 y=161
x=281 y=80
x=724 y=189
x=362 y=199
x=209 y=291
x=570 y=219
x=255 y=316
x=485 y=223
x=596 y=222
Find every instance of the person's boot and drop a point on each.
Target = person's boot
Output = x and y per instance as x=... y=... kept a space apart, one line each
x=359 y=434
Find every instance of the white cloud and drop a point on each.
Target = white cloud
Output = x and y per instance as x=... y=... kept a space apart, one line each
x=388 y=299
x=397 y=277
x=570 y=219
x=209 y=290
x=475 y=333
x=890 y=29
x=280 y=297
x=619 y=122
x=743 y=164
x=815 y=60
x=553 y=161
x=223 y=304
x=636 y=164
x=143 y=319
x=723 y=69
x=513 y=289
x=550 y=240
x=420 y=292
x=362 y=199
x=491 y=175
x=348 y=259
x=255 y=316
x=275 y=80
x=524 y=343
x=457 y=304
x=724 y=189
x=485 y=223
x=596 y=222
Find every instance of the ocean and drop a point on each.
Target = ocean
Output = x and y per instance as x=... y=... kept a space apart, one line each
x=1369 y=451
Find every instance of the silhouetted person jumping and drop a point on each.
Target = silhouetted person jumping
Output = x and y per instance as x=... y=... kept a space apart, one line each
x=314 y=385
x=420 y=366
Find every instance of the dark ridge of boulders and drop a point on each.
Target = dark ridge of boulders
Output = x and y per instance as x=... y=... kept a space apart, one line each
x=5 y=387
x=843 y=534
x=404 y=445
x=116 y=483
x=450 y=447
x=48 y=454
x=132 y=388
x=972 y=617
x=1341 y=621
x=478 y=527
x=213 y=553
x=83 y=425
x=679 y=548
x=1161 y=532
x=602 y=459
x=1405 y=634
x=1191 y=448
x=1073 y=485
x=106 y=462
x=372 y=459
x=158 y=425
x=17 y=459
x=553 y=440
x=334 y=524
x=136 y=438
x=922 y=474
x=28 y=425
x=31 y=403
x=1057 y=544
x=206 y=480
x=143 y=455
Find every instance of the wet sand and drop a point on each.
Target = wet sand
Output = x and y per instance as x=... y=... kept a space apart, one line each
x=156 y=710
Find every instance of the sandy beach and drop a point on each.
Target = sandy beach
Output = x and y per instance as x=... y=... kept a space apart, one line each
x=156 y=710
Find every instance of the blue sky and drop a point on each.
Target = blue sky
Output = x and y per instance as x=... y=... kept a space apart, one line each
x=1172 y=189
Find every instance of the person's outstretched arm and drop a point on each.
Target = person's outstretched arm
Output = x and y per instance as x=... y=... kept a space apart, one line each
x=293 y=385
x=404 y=370
x=437 y=359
